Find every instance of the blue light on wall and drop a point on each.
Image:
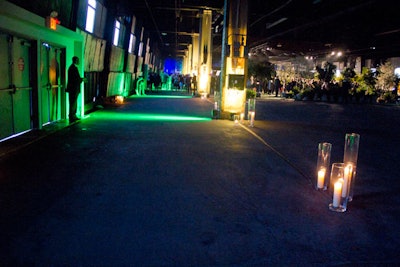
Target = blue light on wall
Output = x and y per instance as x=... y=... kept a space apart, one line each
x=172 y=66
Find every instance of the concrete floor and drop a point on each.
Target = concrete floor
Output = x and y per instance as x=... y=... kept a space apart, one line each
x=123 y=188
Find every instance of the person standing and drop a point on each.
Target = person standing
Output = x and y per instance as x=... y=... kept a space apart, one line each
x=271 y=87
x=73 y=88
x=277 y=85
x=194 y=84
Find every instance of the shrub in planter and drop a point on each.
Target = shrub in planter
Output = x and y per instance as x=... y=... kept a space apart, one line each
x=386 y=79
x=308 y=93
x=327 y=72
x=289 y=94
x=334 y=92
x=250 y=93
x=387 y=97
x=296 y=89
x=365 y=85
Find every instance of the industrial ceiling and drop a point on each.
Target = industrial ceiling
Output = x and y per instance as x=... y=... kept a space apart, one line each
x=280 y=28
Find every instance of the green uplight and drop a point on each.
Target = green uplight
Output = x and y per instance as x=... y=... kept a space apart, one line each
x=160 y=96
x=105 y=115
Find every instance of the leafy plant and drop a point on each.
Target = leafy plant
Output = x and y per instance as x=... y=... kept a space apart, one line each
x=386 y=79
x=387 y=97
x=296 y=89
x=308 y=92
x=326 y=73
x=250 y=93
x=366 y=81
x=348 y=74
x=261 y=69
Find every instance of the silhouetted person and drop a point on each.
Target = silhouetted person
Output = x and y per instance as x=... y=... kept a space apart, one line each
x=73 y=88
x=194 y=83
x=277 y=85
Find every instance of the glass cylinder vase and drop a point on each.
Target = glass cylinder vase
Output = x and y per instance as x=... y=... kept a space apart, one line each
x=350 y=157
x=251 y=107
x=321 y=180
x=236 y=119
x=339 y=187
x=252 y=116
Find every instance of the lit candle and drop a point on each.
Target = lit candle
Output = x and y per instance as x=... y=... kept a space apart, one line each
x=241 y=117
x=252 y=115
x=337 y=193
x=216 y=105
x=321 y=178
x=347 y=177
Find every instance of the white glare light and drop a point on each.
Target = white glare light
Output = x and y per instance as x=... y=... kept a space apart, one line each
x=397 y=72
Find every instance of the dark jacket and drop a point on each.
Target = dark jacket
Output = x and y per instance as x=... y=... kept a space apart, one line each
x=74 y=80
x=277 y=83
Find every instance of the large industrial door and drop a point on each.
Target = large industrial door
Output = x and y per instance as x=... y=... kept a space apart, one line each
x=15 y=87
x=52 y=66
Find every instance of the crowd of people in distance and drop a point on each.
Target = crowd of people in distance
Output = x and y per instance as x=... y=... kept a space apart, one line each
x=178 y=81
x=314 y=89
x=277 y=87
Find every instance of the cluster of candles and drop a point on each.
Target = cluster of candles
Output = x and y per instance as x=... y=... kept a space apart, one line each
x=237 y=118
x=341 y=178
x=322 y=172
x=251 y=107
x=342 y=186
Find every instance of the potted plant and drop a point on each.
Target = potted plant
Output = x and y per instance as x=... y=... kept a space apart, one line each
x=386 y=83
x=325 y=75
x=365 y=85
x=250 y=93
x=347 y=83
x=307 y=93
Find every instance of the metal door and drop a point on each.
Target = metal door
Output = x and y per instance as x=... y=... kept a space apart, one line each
x=15 y=87
x=52 y=92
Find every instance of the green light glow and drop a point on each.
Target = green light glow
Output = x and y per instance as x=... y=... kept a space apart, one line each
x=106 y=115
x=160 y=96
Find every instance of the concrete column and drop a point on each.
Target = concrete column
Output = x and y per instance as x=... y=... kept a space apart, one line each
x=147 y=54
x=234 y=91
x=205 y=53
x=195 y=57
x=185 y=64
x=140 y=56
x=190 y=59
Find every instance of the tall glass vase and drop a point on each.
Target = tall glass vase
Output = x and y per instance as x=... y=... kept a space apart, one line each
x=339 y=187
x=251 y=107
x=321 y=180
x=350 y=157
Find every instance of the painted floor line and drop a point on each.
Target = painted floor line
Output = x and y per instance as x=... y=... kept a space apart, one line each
x=277 y=152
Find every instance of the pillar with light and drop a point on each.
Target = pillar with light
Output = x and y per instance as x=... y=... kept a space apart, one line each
x=233 y=91
x=190 y=59
x=195 y=54
x=205 y=53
